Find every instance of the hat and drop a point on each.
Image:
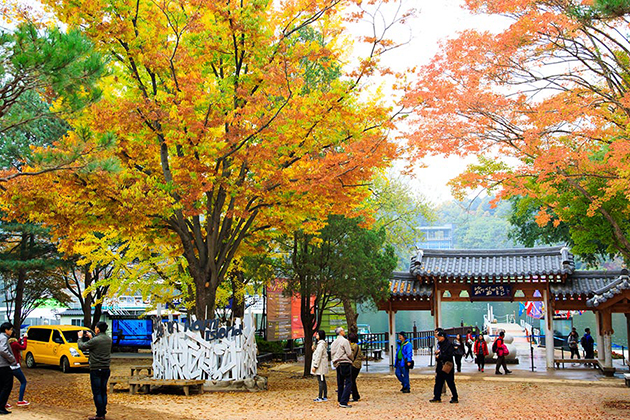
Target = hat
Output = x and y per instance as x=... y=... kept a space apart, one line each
x=441 y=333
x=403 y=334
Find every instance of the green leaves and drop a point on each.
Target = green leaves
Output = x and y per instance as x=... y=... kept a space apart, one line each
x=59 y=66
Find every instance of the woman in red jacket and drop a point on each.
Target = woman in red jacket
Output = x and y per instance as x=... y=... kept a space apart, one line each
x=17 y=346
x=481 y=351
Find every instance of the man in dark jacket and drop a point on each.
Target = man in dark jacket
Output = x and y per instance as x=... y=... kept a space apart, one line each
x=100 y=347
x=588 y=343
x=444 y=356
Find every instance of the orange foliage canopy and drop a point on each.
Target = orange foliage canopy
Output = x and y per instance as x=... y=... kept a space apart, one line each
x=544 y=104
x=228 y=118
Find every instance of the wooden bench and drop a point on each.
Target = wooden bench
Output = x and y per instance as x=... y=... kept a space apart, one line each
x=147 y=383
x=594 y=362
x=137 y=370
x=113 y=380
x=626 y=377
x=265 y=357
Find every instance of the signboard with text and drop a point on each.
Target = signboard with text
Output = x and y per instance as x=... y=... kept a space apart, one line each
x=278 y=312
x=490 y=291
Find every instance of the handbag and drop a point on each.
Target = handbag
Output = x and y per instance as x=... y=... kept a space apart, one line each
x=411 y=364
x=447 y=367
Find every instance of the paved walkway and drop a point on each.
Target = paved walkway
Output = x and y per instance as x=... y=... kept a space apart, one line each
x=522 y=369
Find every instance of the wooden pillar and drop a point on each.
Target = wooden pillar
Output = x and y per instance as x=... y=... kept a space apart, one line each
x=549 y=341
x=391 y=314
x=607 y=332
x=437 y=317
x=599 y=337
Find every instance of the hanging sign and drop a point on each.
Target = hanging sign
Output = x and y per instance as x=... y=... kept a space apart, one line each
x=486 y=291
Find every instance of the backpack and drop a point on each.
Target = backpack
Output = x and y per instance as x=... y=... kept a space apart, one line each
x=494 y=346
x=504 y=351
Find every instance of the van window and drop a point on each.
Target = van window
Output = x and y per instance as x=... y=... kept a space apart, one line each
x=57 y=337
x=71 y=336
x=39 y=334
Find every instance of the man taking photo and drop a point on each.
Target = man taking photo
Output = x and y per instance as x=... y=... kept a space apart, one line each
x=100 y=347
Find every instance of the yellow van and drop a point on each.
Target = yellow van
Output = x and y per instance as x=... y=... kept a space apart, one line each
x=55 y=345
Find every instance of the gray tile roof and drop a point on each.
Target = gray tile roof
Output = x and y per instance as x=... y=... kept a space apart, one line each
x=404 y=284
x=72 y=312
x=493 y=263
x=615 y=287
x=583 y=283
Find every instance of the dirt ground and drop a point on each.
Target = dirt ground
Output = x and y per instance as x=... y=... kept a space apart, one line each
x=55 y=396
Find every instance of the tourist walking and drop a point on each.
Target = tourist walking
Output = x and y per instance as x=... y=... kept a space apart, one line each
x=572 y=342
x=459 y=351
x=356 y=364
x=341 y=354
x=319 y=365
x=444 y=369
x=501 y=351
x=469 y=345
x=588 y=345
x=17 y=346
x=481 y=351
x=404 y=361
x=100 y=347
x=7 y=361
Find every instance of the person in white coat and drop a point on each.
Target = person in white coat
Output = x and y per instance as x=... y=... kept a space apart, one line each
x=319 y=366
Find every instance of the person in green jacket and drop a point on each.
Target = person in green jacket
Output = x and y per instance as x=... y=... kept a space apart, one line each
x=100 y=347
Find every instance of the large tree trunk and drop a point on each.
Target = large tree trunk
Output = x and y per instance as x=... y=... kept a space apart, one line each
x=351 y=315
x=308 y=324
x=98 y=311
x=19 y=298
x=308 y=353
x=205 y=298
x=86 y=302
x=86 y=307
x=238 y=307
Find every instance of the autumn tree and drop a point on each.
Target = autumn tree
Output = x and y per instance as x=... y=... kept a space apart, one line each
x=543 y=104
x=222 y=126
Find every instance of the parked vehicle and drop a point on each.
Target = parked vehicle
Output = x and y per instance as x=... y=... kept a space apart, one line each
x=55 y=345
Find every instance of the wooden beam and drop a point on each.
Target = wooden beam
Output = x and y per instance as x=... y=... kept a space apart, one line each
x=571 y=305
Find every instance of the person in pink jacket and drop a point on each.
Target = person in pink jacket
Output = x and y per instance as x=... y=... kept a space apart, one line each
x=17 y=346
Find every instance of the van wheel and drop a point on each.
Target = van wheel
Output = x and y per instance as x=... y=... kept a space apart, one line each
x=30 y=360
x=64 y=365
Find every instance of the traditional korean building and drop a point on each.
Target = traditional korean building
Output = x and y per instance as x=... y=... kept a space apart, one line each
x=530 y=274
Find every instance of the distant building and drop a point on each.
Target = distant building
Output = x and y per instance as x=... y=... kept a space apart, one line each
x=437 y=237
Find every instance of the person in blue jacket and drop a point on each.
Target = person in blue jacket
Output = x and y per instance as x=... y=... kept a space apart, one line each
x=404 y=361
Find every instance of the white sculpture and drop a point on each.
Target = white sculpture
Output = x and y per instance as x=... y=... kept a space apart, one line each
x=207 y=351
